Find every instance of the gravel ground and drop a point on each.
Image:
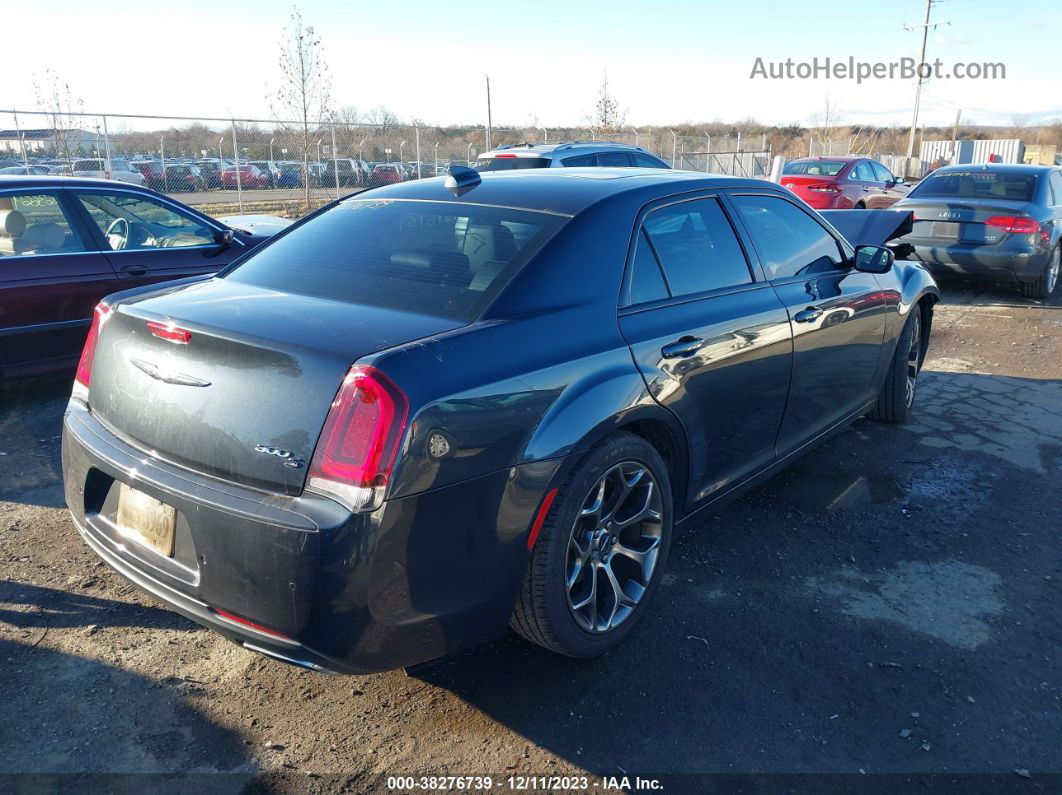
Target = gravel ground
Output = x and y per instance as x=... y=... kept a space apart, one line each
x=891 y=604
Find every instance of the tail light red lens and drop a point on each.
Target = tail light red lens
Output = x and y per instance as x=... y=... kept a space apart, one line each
x=1014 y=224
x=824 y=187
x=360 y=439
x=170 y=333
x=84 y=367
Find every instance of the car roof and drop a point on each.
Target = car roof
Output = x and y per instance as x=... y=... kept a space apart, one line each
x=559 y=190
x=998 y=168
x=839 y=158
x=54 y=181
x=533 y=150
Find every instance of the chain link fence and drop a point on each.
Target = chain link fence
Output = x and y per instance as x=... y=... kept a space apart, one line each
x=261 y=165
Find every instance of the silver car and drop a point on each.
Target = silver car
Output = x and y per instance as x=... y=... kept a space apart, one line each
x=566 y=155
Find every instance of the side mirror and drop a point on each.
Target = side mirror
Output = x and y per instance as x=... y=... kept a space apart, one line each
x=223 y=238
x=873 y=259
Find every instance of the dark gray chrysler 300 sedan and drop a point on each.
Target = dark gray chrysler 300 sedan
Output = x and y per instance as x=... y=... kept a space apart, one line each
x=442 y=408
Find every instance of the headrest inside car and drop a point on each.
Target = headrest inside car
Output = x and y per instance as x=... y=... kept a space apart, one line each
x=12 y=223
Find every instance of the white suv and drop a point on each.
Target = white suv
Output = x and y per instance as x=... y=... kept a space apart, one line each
x=121 y=170
x=567 y=155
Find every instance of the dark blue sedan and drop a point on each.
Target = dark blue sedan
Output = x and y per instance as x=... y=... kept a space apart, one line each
x=449 y=406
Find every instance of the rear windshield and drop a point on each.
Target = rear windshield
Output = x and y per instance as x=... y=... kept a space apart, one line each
x=510 y=163
x=820 y=168
x=433 y=258
x=977 y=185
x=88 y=165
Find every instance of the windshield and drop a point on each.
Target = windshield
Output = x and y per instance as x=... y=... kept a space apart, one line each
x=819 y=168
x=977 y=185
x=434 y=258
x=509 y=163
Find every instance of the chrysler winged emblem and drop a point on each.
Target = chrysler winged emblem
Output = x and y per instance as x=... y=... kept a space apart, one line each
x=167 y=376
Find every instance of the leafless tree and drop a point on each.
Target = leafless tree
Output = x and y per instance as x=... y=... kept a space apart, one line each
x=55 y=98
x=824 y=124
x=300 y=103
x=382 y=119
x=607 y=116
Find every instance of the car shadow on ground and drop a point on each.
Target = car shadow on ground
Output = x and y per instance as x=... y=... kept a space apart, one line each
x=25 y=606
x=858 y=612
x=105 y=729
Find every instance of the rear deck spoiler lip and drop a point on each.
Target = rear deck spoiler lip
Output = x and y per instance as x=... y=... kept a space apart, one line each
x=870 y=227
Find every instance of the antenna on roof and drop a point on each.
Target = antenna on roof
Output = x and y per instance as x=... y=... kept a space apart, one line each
x=461 y=180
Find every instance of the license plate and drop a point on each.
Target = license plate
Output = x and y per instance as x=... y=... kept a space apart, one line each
x=145 y=520
x=946 y=229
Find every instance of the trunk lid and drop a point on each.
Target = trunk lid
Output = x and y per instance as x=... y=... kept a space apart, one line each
x=246 y=397
x=815 y=184
x=949 y=221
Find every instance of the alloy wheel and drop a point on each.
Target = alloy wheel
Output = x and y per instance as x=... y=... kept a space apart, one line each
x=613 y=547
x=913 y=356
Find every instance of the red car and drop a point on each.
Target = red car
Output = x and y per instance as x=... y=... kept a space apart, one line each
x=842 y=183
x=250 y=177
x=386 y=174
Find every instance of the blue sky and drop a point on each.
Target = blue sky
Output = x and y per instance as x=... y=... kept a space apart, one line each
x=668 y=61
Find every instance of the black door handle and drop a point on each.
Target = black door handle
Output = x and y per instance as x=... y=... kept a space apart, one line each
x=685 y=346
x=134 y=270
x=808 y=315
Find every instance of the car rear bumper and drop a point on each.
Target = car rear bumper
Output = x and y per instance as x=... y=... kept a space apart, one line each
x=1020 y=264
x=420 y=578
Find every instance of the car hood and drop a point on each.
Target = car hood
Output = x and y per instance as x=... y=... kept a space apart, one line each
x=257 y=225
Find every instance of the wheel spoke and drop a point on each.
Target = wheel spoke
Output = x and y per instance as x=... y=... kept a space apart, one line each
x=645 y=512
x=639 y=556
x=594 y=509
x=619 y=597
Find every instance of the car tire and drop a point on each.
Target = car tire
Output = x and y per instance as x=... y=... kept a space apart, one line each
x=898 y=393
x=1045 y=285
x=859 y=206
x=583 y=555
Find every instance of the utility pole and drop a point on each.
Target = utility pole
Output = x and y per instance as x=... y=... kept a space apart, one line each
x=955 y=133
x=489 y=125
x=918 y=82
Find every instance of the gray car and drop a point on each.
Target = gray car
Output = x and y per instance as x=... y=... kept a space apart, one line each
x=567 y=155
x=994 y=221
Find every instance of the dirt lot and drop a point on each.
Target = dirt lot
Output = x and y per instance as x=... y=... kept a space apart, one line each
x=892 y=604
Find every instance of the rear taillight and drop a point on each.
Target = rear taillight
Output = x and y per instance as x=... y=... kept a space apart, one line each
x=1014 y=224
x=824 y=187
x=360 y=439
x=500 y=156
x=84 y=367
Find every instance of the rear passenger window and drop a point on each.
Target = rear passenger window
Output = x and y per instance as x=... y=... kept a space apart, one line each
x=647 y=283
x=581 y=160
x=35 y=225
x=1056 y=188
x=863 y=172
x=790 y=241
x=697 y=247
x=613 y=159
